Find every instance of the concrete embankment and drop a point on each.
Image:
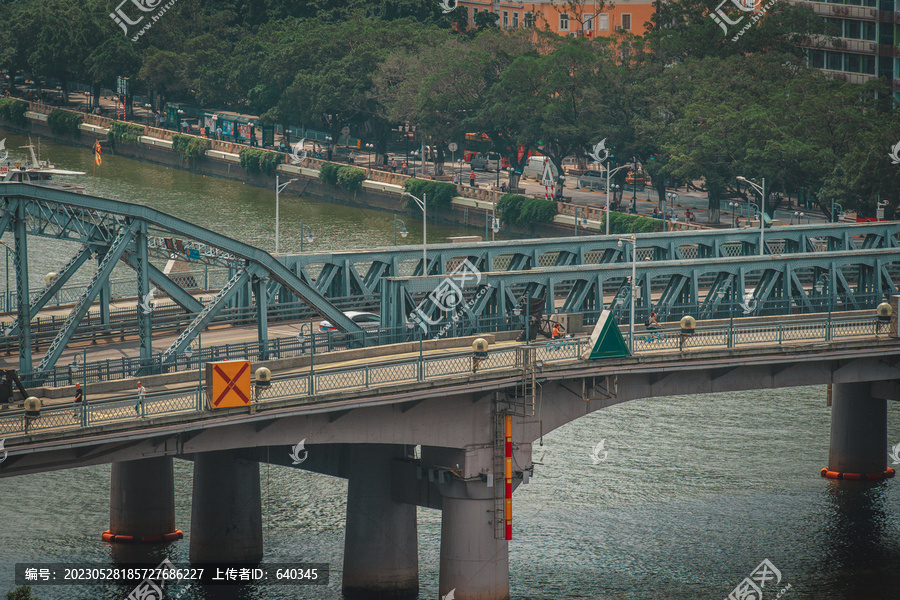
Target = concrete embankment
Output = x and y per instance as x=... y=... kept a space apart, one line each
x=381 y=189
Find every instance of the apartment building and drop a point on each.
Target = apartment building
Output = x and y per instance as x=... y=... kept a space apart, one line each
x=869 y=42
x=585 y=20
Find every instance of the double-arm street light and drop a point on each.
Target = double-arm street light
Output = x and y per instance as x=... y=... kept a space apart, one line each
x=762 y=220
x=634 y=287
x=278 y=188
x=609 y=173
x=422 y=206
x=584 y=221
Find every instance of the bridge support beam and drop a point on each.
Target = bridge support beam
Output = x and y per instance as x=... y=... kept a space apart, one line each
x=142 y=500
x=380 y=546
x=226 y=512
x=473 y=561
x=858 y=430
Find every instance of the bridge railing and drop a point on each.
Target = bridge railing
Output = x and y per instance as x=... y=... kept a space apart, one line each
x=387 y=373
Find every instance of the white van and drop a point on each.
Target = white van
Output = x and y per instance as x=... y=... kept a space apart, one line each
x=535 y=168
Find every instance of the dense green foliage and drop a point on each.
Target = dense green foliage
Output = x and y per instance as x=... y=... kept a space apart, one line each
x=437 y=195
x=625 y=223
x=190 y=146
x=13 y=110
x=21 y=593
x=64 y=122
x=125 y=132
x=343 y=176
x=686 y=99
x=260 y=161
x=514 y=209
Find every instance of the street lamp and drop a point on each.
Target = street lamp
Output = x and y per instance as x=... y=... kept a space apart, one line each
x=5 y=247
x=733 y=206
x=721 y=294
x=609 y=173
x=403 y=231
x=309 y=235
x=823 y=282
x=278 y=188
x=634 y=287
x=839 y=212
x=762 y=224
x=492 y=222
x=584 y=220
x=798 y=216
x=423 y=207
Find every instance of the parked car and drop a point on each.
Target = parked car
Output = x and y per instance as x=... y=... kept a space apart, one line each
x=591 y=179
x=366 y=320
x=534 y=169
x=486 y=162
x=636 y=179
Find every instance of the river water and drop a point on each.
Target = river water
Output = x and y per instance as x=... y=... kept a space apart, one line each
x=694 y=493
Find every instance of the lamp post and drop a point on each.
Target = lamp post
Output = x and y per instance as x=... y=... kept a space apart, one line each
x=403 y=231
x=798 y=216
x=840 y=210
x=762 y=224
x=609 y=173
x=278 y=188
x=634 y=181
x=309 y=235
x=633 y=240
x=490 y=221
x=584 y=221
x=5 y=247
x=721 y=295
x=422 y=206
x=672 y=197
x=824 y=281
x=733 y=206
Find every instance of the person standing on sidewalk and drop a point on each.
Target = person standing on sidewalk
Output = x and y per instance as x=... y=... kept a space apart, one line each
x=138 y=408
x=472 y=178
x=79 y=400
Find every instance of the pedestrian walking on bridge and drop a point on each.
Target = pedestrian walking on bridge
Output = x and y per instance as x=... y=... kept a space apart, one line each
x=139 y=407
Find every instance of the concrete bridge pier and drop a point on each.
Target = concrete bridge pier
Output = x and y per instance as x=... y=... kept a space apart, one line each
x=226 y=511
x=473 y=562
x=142 y=501
x=380 y=546
x=858 y=432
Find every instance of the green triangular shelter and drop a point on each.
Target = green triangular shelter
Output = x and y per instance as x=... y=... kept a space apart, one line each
x=606 y=340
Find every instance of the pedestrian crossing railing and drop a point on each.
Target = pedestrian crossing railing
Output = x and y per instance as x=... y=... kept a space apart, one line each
x=446 y=366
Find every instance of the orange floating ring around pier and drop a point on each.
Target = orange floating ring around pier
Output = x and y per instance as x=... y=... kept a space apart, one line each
x=886 y=474
x=108 y=536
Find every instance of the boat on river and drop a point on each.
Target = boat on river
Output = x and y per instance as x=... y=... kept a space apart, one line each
x=38 y=172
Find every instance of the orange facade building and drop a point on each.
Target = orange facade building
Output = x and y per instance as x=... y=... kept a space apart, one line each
x=576 y=19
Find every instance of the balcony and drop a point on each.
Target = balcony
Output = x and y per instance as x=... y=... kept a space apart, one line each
x=823 y=42
x=858 y=78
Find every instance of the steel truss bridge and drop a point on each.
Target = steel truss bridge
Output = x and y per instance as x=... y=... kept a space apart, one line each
x=472 y=287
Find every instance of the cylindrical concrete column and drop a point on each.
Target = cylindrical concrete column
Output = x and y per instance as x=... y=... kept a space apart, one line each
x=858 y=430
x=381 y=557
x=142 y=501
x=473 y=561
x=226 y=512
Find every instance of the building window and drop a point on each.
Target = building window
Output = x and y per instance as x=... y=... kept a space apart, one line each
x=506 y=18
x=853 y=63
x=515 y=20
x=588 y=23
x=528 y=21
x=868 y=65
x=868 y=31
x=563 y=21
x=833 y=61
x=817 y=59
x=626 y=22
x=602 y=22
x=852 y=29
